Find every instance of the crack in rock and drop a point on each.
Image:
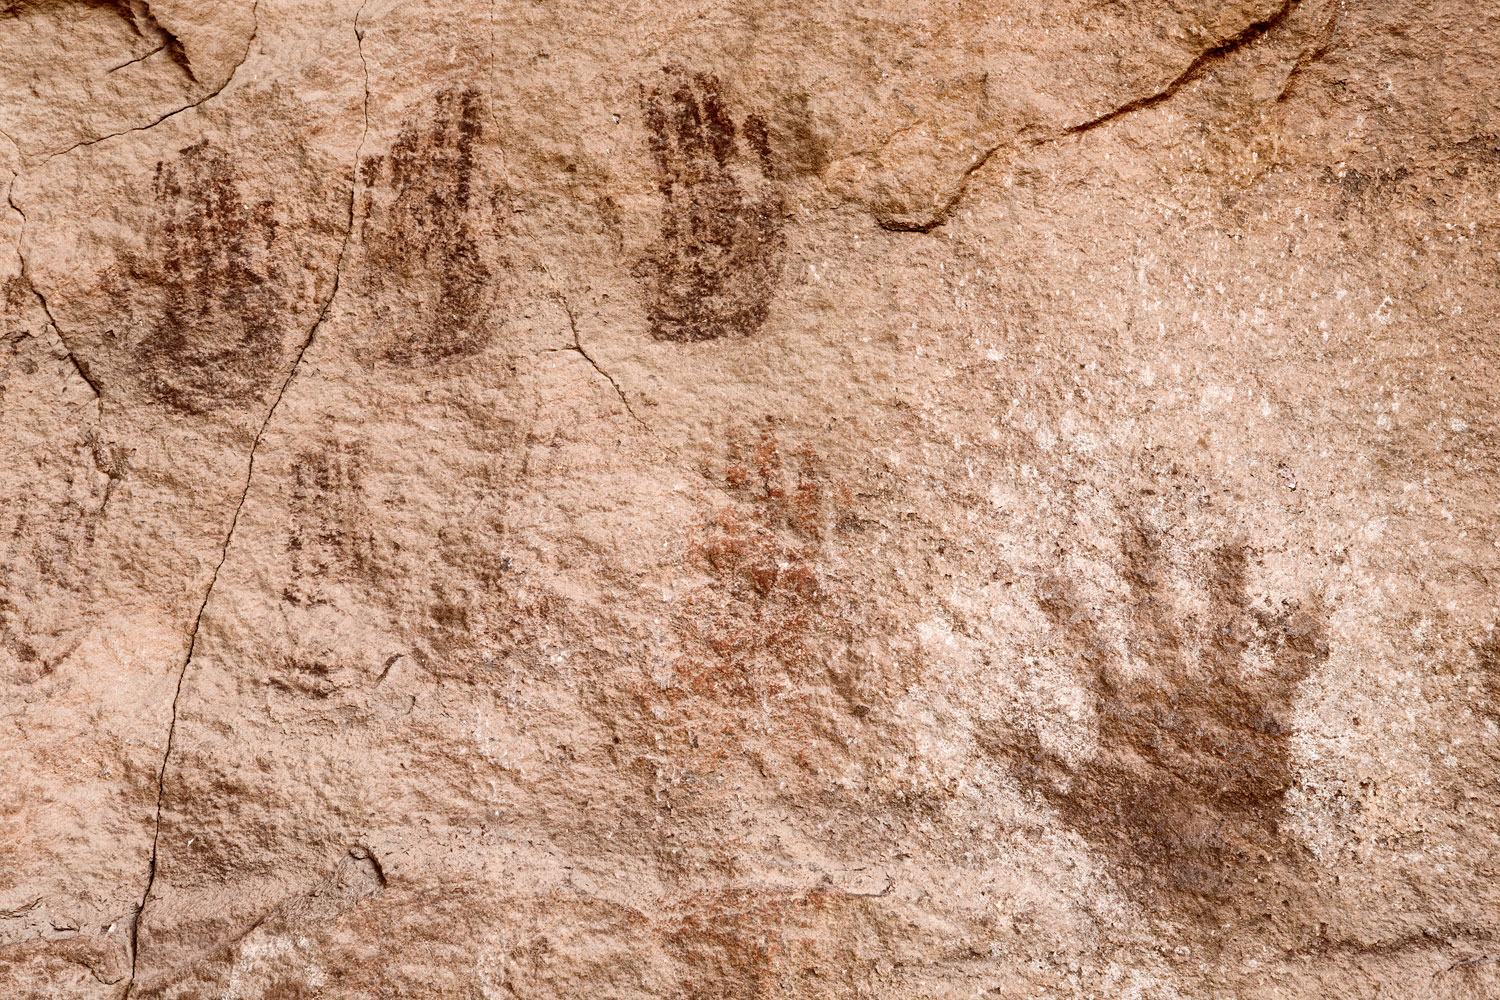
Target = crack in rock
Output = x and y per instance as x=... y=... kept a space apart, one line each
x=161 y=774
x=946 y=210
x=78 y=366
x=228 y=79
x=578 y=348
x=359 y=876
x=140 y=58
x=1247 y=36
x=1219 y=51
x=138 y=13
x=1318 y=51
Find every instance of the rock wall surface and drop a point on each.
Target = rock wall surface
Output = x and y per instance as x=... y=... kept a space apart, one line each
x=749 y=499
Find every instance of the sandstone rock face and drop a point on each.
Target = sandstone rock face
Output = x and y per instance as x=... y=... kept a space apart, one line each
x=749 y=499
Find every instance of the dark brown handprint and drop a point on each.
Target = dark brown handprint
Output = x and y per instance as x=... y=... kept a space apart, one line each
x=429 y=214
x=1194 y=755
x=717 y=262
x=213 y=338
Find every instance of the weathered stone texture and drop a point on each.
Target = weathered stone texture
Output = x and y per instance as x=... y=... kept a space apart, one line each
x=757 y=499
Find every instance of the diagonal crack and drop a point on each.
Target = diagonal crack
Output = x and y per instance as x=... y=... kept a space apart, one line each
x=141 y=12
x=161 y=774
x=140 y=58
x=1248 y=35
x=946 y=209
x=1219 y=51
x=1323 y=46
x=577 y=347
x=249 y=44
x=78 y=366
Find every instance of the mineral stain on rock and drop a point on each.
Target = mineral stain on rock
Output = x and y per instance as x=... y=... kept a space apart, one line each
x=429 y=214
x=1193 y=741
x=715 y=265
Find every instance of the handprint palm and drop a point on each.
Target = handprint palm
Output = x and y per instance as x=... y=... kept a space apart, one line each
x=1194 y=752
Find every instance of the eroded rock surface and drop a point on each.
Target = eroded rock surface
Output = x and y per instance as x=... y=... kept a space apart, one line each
x=748 y=500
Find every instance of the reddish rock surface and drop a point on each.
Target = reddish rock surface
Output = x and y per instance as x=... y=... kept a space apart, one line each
x=749 y=500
